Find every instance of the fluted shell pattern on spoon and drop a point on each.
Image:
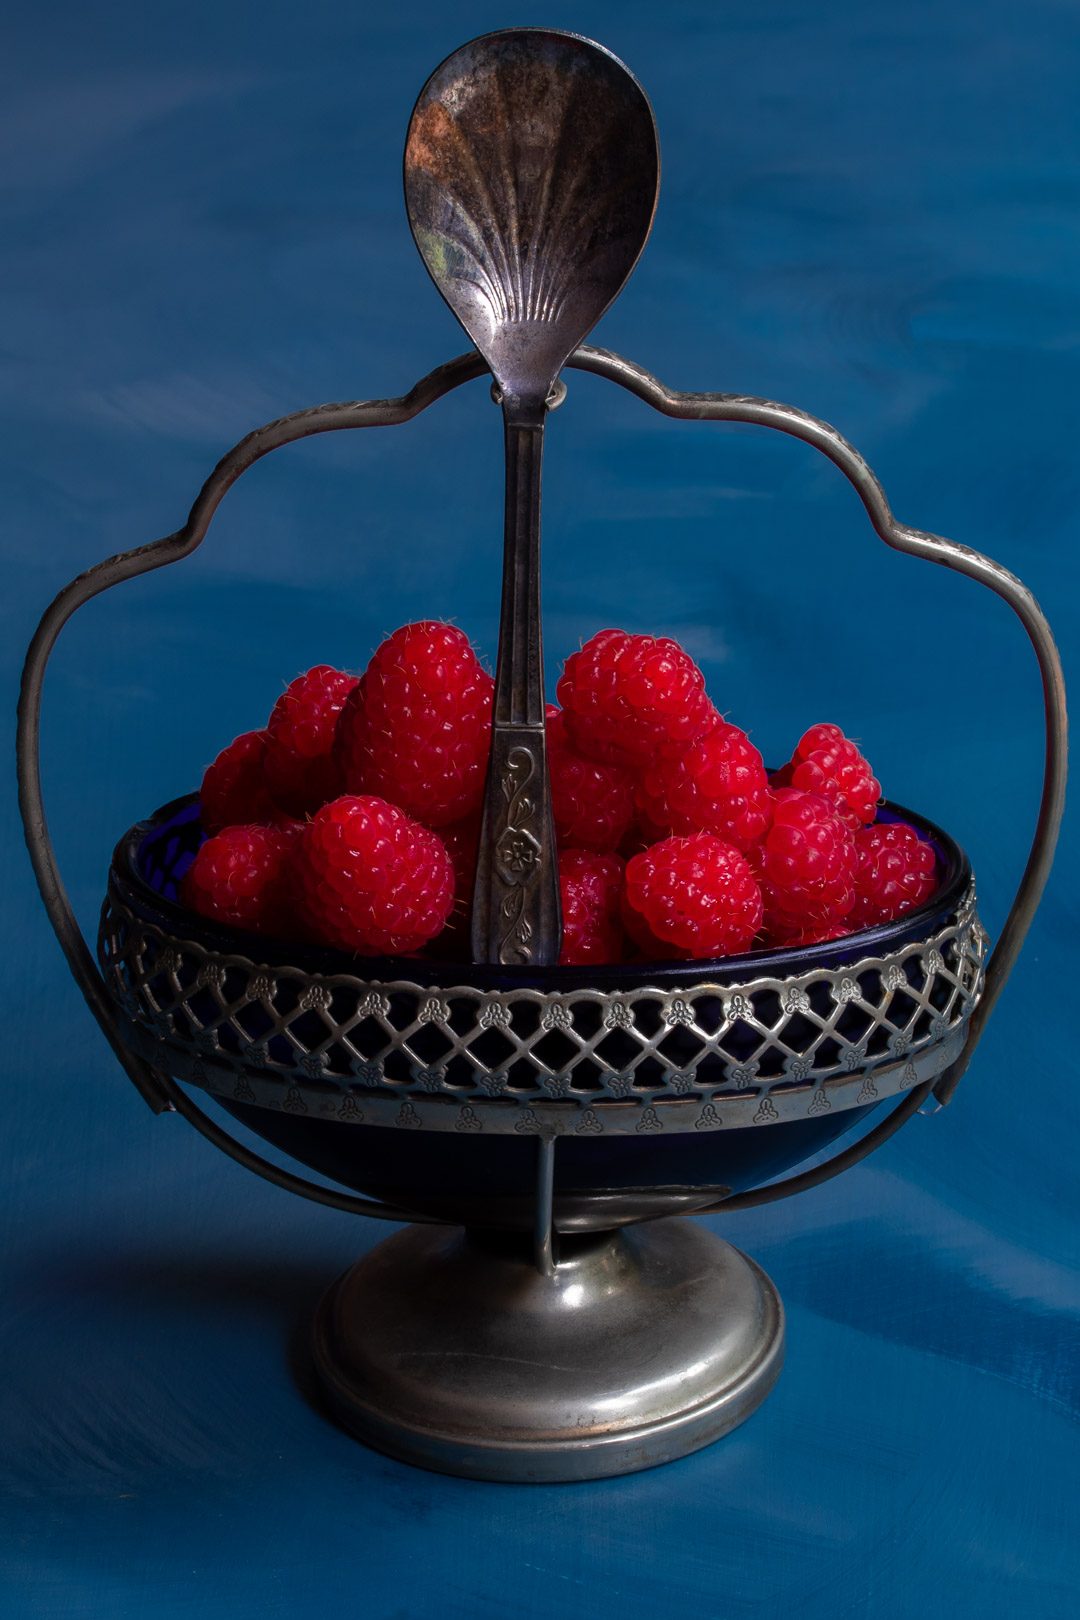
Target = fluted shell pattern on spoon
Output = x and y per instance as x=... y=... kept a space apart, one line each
x=531 y=174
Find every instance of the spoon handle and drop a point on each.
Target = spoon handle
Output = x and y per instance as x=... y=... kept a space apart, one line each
x=516 y=898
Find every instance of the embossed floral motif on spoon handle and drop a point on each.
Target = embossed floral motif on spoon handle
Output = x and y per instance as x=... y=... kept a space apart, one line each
x=531 y=174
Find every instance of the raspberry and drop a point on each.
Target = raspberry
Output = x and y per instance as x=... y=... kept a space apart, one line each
x=418 y=728
x=461 y=839
x=806 y=865
x=370 y=879
x=300 y=767
x=629 y=697
x=827 y=763
x=808 y=936
x=592 y=802
x=691 y=897
x=895 y=870
x=718 y=785
x=590 y=885
x=241 y=877
x=233 y=787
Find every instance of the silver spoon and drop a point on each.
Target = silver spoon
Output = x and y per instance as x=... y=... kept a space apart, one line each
x=531 y=174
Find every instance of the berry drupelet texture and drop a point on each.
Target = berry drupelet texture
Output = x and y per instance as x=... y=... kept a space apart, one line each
x=691 y=897
x=590 y=888
x=592 y=802
x=629 y=697
x=241 y=876
x=300 y=768
x=827 y=763
x=895 y=871
x=234 y=789
x=717 y=785
x=368 y=878
x=461 y=840
x=644 y=771
x=806 y=864
x=417 y=729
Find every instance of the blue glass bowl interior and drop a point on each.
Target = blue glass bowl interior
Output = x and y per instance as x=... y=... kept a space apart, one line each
x=454 y=1175
x=150 y=862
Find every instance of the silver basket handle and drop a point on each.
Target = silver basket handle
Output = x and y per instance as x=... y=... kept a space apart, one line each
x=158 y=1090
x=785 y=418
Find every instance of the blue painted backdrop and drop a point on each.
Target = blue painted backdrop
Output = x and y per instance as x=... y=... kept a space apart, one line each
x=870 y=210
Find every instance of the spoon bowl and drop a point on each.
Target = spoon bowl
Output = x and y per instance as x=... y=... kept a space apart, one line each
x=531 y=175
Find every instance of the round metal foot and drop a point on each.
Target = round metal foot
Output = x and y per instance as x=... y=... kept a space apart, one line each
x=448 y=1349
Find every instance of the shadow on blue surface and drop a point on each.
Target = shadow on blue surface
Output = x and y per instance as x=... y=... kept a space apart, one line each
x=919 y=1297
x=868 y=211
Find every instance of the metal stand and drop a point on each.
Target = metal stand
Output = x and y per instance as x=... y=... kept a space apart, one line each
x=578 y=1356
x=154 y=1086
x=450 y=1350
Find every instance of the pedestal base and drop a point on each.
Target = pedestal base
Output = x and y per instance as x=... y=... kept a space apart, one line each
x=449 y=1350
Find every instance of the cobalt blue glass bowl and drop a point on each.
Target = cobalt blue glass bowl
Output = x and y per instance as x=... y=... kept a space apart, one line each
x=425 y=1083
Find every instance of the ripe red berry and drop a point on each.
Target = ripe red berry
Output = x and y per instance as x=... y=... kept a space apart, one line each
x=717 y=785
x=628 y=697
x=460 y=840
x=370 y=879
x=300 y=767
x=828 y=763
x=593 y=802
x=691 y=897
x=895 y=870
x=241 y=877
x=590 y=886
x=806 y=864
x=234 y=788
x=418 y=728
x=812 y=935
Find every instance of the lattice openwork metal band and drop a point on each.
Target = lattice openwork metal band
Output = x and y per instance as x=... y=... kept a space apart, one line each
x=334 y=1034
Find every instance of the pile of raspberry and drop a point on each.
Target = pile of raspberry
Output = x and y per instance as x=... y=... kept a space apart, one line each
x=352 y=819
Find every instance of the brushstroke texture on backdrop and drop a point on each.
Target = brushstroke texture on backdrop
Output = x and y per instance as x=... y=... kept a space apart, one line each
x=873 y=213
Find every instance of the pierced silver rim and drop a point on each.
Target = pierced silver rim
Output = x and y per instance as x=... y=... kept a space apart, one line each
x=632 y=1060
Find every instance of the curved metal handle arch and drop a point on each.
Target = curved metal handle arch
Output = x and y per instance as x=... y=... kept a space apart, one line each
x=159 y=1090
x=917 y=543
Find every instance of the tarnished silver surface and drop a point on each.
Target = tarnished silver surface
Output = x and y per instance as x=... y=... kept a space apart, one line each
x=540 y=1117
x=155 y=1086
x=769 y=413
x=636 y=1059
x=531 y=178
x=458 y=1355
x=531 y=174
